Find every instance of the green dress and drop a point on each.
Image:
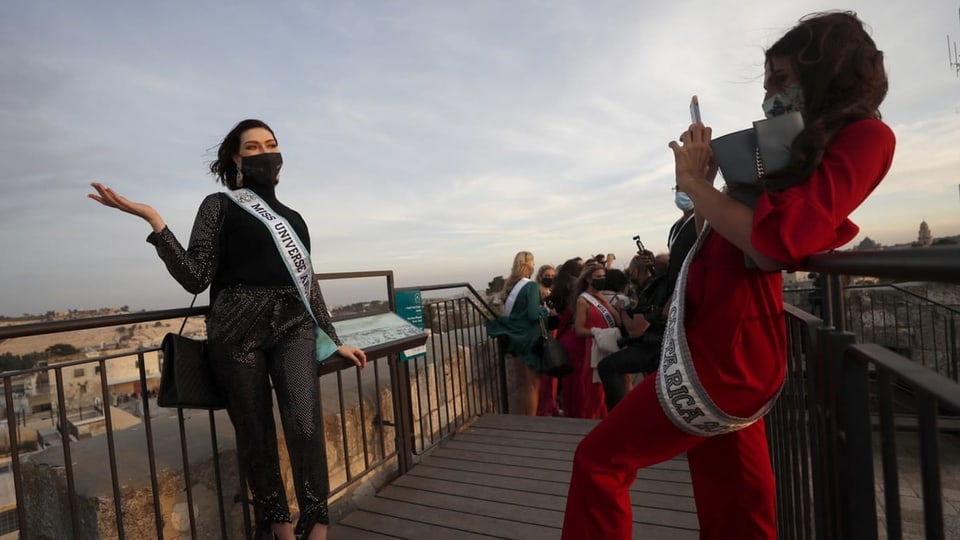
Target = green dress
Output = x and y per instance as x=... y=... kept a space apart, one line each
x=522 y=325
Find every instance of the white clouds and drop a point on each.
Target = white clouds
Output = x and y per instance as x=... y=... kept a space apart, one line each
x=435 y=139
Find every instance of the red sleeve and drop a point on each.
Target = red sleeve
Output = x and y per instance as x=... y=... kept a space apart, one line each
x=812 y=217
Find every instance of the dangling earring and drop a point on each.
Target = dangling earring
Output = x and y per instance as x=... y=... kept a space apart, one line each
x=239 y=178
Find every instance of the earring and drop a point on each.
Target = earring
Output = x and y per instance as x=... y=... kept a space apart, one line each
x=239 y=178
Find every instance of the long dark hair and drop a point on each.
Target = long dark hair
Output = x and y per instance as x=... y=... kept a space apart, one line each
x=563 y=285
x=224 y=167
x=841 y=72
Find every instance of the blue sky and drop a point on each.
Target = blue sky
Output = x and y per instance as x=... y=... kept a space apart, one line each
x=434 y=139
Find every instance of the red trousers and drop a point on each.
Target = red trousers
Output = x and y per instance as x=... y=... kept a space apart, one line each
x=732 y=478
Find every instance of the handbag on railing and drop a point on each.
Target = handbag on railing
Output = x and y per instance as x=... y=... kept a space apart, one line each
x=186 y=379
x=554 y=360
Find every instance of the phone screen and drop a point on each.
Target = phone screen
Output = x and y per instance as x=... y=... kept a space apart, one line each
x=695 y=110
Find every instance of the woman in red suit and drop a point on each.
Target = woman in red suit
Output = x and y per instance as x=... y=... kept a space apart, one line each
x=724 y=351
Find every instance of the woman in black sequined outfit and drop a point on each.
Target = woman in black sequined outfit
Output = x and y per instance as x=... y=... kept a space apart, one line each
x=259 y=329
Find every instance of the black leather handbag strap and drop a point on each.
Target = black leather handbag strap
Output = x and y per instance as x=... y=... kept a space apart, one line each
x=187 y=316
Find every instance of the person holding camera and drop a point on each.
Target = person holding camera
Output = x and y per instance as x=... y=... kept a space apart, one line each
x=642 y=330
x=643 y=325
x=724 y=348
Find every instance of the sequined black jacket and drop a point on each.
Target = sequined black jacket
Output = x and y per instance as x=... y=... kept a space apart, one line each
x=229 y=247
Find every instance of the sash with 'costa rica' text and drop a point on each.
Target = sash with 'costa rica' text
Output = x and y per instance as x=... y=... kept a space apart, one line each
x=682 y=396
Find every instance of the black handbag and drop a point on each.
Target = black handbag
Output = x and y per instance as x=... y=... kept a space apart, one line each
x=746 y=157
x=186 y=379
x=554 y=360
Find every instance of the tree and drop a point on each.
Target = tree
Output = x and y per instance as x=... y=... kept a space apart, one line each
x=62 y=349
x=12 y=362
x=496 y=285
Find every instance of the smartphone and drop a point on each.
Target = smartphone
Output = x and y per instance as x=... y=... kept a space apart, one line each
x=695 y=111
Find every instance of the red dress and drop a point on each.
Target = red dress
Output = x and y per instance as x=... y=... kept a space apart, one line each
x=583 y=398
x=735 y=330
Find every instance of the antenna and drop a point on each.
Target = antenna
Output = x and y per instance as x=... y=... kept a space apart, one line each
x=952 y=53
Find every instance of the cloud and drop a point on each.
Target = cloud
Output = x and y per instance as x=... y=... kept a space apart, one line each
x=434 y=139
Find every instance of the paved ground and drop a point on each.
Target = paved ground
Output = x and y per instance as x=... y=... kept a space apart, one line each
x=911 y=485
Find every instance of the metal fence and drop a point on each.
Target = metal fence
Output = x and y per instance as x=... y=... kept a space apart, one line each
x=64 y=419
x=463 y=377
x=387 y=416
x=898 y=318
x=822 y=437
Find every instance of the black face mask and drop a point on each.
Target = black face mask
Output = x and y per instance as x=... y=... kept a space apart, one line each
x=598 y=284
x=546 y=282
x=261 y=169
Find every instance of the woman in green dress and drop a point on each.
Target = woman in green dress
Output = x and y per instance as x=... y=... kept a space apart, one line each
x=520 y=326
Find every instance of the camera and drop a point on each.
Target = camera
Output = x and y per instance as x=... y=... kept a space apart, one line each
x=641 y=250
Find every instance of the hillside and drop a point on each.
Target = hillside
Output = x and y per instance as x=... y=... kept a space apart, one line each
x=141 y=335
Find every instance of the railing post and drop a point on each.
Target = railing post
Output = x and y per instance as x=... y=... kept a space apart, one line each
x=930 y=467
x=953 y=361
x=859 y=516
x=403 y=410
x=822 y=380
x=834 y=313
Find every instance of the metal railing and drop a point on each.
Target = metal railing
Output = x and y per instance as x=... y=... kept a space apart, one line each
x=896 y=317
x=347 y=452
x=465 y=376
x=429 y=399
x=821 y=438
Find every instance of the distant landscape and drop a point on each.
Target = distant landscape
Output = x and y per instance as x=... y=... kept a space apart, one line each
x=23 y=352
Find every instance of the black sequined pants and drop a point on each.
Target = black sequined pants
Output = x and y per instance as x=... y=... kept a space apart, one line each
x=258 y=335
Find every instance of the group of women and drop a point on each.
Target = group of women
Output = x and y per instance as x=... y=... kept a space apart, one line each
x=724 y=346
x=569 y=303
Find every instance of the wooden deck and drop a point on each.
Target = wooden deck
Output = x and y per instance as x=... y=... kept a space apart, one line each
x=506 y=477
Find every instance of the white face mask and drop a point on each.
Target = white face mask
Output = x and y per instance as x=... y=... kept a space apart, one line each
x=682 y=200
x=789 y=99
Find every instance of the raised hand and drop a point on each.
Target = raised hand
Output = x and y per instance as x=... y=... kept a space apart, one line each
x=112 y=199
x=694 y=157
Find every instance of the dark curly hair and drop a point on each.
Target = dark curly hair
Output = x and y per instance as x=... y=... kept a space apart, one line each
x=563 y=285
x=841 y=72
x=224 y=167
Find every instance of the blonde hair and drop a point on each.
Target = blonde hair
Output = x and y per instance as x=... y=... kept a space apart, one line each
x=583 y=282
x=544 y=290
x=522 y=268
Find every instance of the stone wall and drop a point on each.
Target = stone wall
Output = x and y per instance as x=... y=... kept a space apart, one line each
x=454 y=391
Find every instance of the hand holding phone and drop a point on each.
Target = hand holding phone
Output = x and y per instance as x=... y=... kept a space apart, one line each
x=695 y=110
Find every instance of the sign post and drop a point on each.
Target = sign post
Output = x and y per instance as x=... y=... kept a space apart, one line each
x=410 y=308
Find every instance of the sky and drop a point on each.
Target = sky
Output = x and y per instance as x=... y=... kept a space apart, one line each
x=432 y=138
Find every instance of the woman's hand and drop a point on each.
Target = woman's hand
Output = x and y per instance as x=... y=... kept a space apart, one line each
x=112 y=199
x=353 y=354
x=694 y=158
